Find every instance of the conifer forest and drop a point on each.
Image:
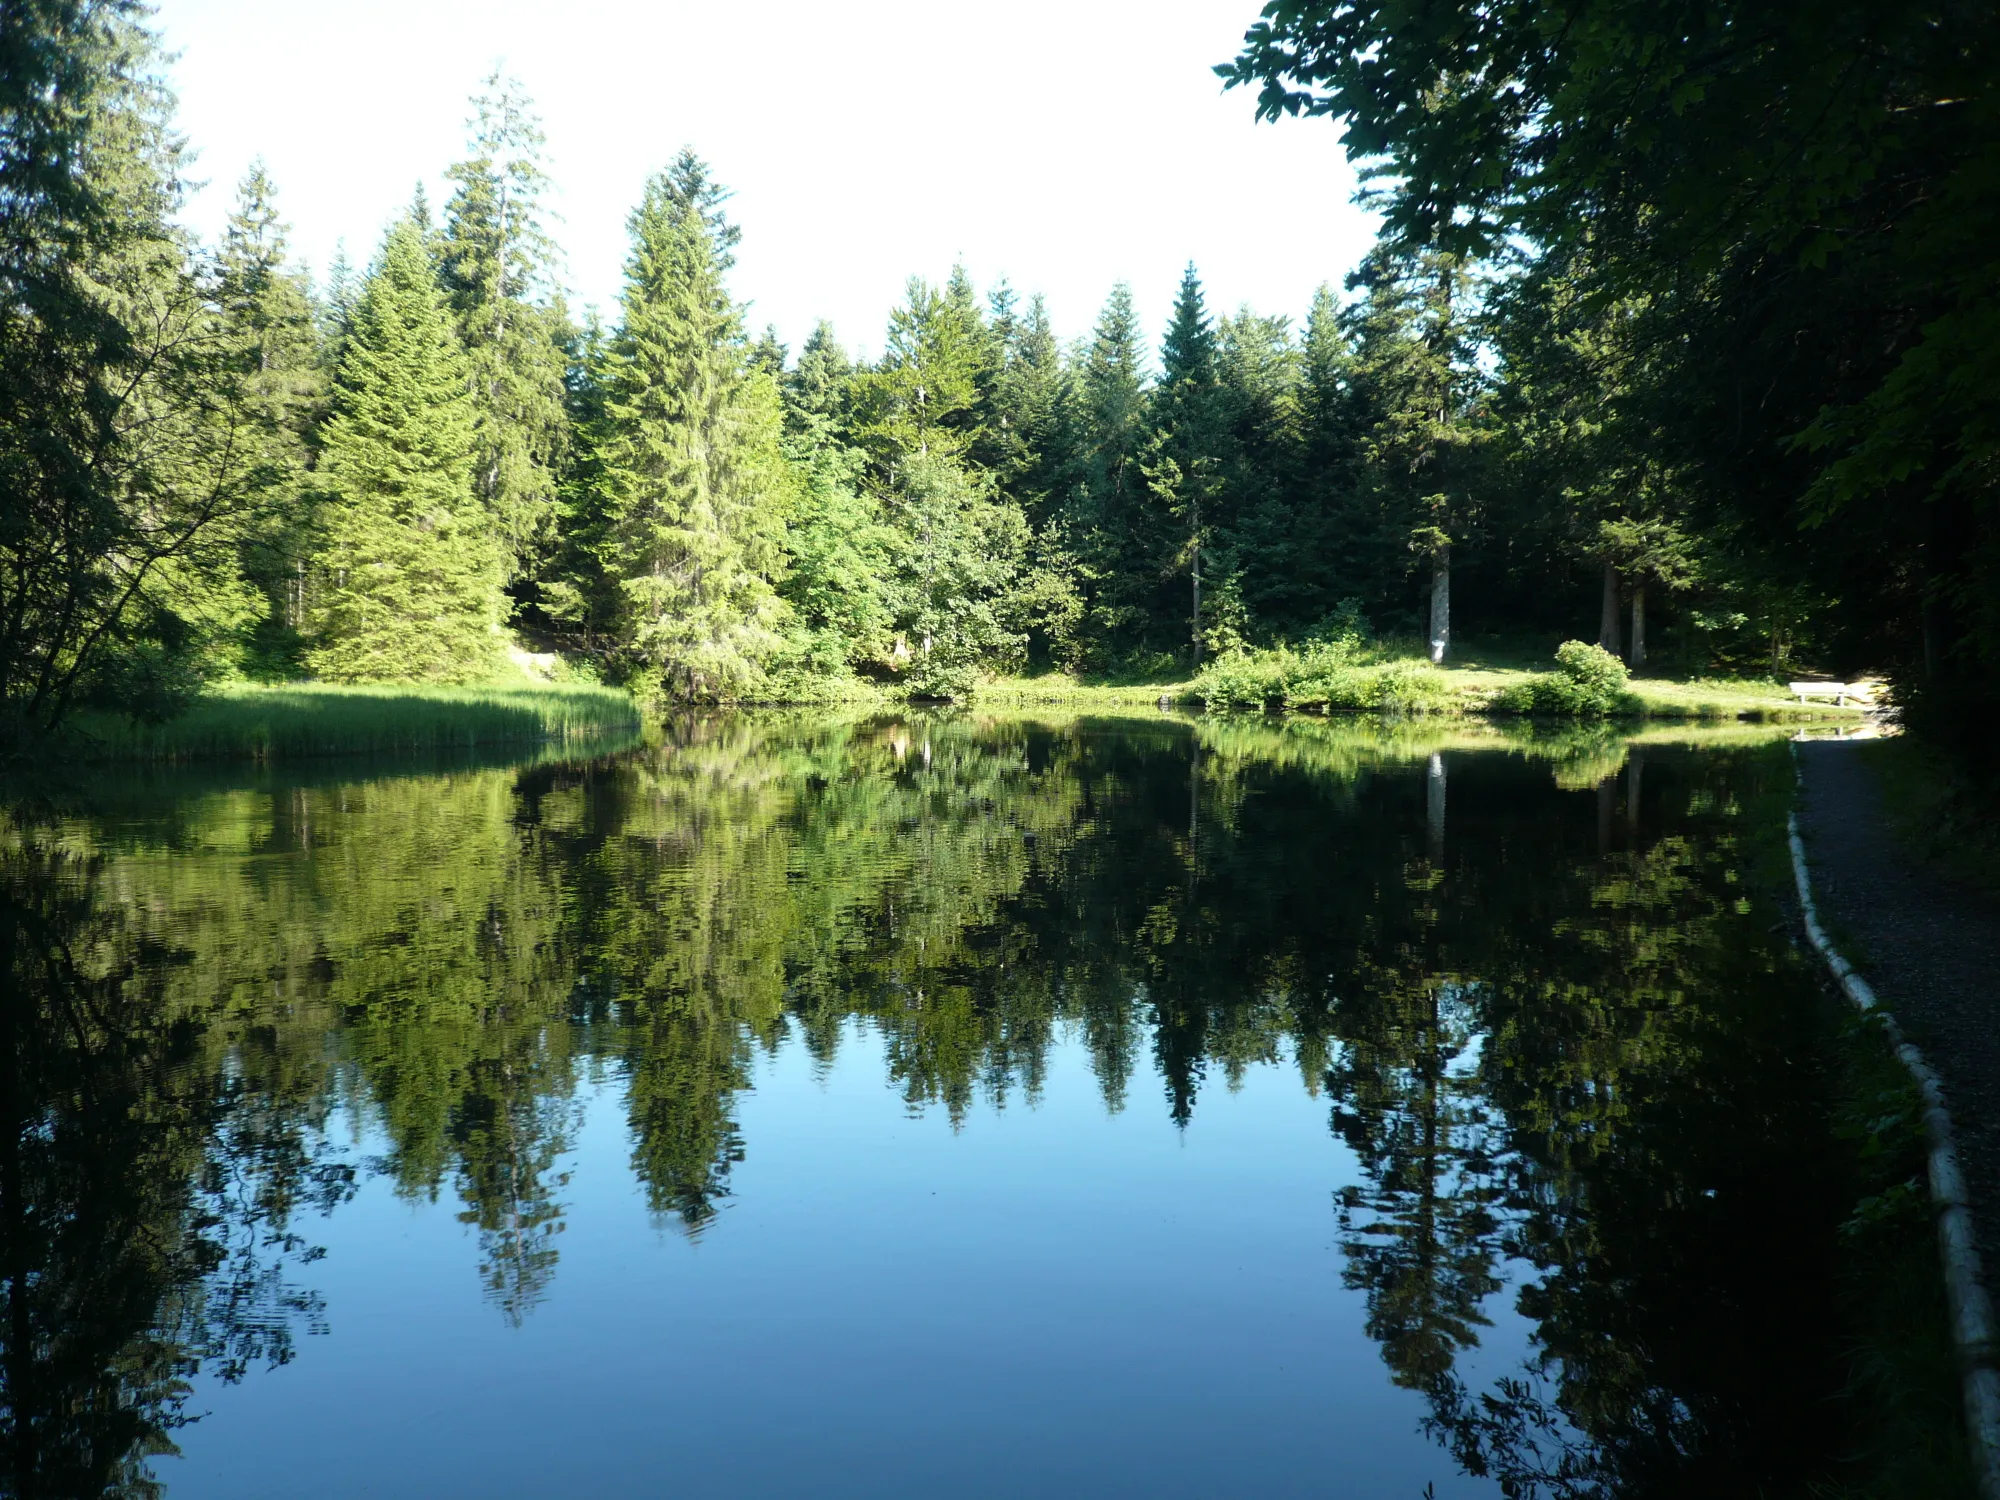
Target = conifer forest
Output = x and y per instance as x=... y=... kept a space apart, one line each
x=1679 y=338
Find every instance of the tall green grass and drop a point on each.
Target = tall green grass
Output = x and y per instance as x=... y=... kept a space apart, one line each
x=249 y=722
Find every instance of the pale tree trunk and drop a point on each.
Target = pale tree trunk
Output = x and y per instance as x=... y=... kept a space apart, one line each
x=1434 y=807
x=1638 y=657
x=1440 y=603
x=1607 y=618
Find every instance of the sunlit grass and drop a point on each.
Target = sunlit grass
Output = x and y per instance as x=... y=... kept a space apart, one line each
x=1057 y=690
x=252 y=722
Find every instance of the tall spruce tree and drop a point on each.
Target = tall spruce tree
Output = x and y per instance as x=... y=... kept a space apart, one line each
x=1031 y=427
x=499 y=268
x=268 y=323
x=1415 y=386
x=927 y=395
x=1187 y=453
x=695 y=488
x=1259 y=576
x=409 y=569
x=1109 y=491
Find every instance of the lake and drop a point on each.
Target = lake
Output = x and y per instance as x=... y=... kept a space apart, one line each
x=988 y=1106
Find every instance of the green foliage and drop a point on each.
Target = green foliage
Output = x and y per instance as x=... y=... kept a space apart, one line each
x=497 y=265
x=1337 y=674
x=1773 y=292
x=957 y=600
x=266 y=315
x=135 y=445
x=1589 y=682
x=409 y=570
x=688 y=474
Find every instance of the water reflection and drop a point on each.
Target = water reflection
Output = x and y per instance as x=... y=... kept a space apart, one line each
x=1559 y=1038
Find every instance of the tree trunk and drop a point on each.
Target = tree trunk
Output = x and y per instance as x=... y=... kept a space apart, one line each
x=1434 y=808
x=1638 y=657
x=1440 y=603
x=1635 y=772
x=1607 y=618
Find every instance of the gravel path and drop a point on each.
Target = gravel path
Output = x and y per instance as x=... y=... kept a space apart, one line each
x=1930 y=949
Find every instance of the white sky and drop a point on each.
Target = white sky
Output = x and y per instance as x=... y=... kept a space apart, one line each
x=1065 y=143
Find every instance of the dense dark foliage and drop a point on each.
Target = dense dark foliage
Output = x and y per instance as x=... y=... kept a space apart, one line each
x=1752 y=280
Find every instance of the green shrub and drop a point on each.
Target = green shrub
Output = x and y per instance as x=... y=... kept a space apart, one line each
x=1588 y=683
x=1322 y=676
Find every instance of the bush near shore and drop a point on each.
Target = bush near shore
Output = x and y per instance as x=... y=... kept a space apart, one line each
x=1587 y=682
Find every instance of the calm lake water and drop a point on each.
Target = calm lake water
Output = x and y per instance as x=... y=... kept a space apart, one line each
x=950 y=1106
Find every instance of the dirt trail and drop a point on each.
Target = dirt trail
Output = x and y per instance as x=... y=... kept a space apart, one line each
x=1930 y=949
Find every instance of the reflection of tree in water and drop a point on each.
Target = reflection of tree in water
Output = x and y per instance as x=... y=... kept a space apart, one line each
x=1494 y=1007
x=1605 y=1107
x=146 y=1188
x=1423 y=1232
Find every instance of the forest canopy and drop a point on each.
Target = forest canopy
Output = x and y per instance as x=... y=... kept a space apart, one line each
x=1679 y=337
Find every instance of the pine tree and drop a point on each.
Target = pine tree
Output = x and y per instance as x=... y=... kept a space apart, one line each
x=819 y=390
x=1413 y=386
x=1327 y=553
x=1111 y=390
x=268 y=322
x=498 y=267
x=1108 y=430
x=927 y=394
x=1030 y=422
x=410 y=570
x=1260 y=574
x=128 y=464
x=694 y=483
x=1188 y=451
x=333 y=310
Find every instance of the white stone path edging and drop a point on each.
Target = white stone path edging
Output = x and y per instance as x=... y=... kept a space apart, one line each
x=1972 y=1323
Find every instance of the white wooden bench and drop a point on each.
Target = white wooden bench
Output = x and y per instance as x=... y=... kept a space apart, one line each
x=1839 y=692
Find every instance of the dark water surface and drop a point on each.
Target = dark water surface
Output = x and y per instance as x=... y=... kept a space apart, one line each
x=959 y=1107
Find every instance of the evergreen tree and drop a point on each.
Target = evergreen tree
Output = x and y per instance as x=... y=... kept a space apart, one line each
x=1329 y=563
x=128 y=450
x=498 y=268
x=334 y=310
x=1109 y=491
x=1262 y=570
x=268 y=323
x=927 y=394
x=1031 y=427
x=819 y=394
x=409 y=569
x=695 y=488
x=1414 y=390
x=1186 y=457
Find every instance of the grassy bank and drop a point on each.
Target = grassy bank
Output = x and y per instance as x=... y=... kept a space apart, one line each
x=250 y=722
x=1348 y=676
